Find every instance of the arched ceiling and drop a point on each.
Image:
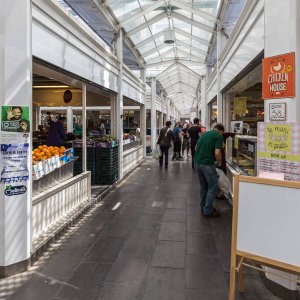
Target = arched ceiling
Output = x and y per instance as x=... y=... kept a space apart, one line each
x=176 y=66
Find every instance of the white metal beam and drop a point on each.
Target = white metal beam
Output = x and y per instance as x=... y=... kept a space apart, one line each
x=142 y=13
x=156 y=49
x=190 y=55
x=164 y=54
x=181 y=82
x=146 y=24
x=157 y=63
x=195 y=11
x=180 y=43
x=191 y=22
x=150 y=39
x=192 y=37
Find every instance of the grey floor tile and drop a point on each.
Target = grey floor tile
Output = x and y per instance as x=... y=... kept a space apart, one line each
x=205 y=272
x=169 y=254
x=154 y=207
x=149 y=221
x=172 y=232
x=206 y=295
x=119 y=291
x=85 y=282
x=174 y=215
x=38 y=287
x=141 y=240
x=199 y=224
x=165 y=283
x=129 y=213
x=176 y=203
x=118 y=229
x=105 y=250
x=201 y=243
x=194 y=210
x=130 y=267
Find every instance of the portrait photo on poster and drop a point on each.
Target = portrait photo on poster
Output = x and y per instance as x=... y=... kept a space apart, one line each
x=15 y=118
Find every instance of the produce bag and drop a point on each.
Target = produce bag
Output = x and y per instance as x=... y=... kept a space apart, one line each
x=223 y=182
x=156 y=153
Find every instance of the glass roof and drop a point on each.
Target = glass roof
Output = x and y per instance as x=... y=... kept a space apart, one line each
x=178 y=66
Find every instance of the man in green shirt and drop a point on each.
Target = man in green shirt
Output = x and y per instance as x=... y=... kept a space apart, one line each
x=208 y=151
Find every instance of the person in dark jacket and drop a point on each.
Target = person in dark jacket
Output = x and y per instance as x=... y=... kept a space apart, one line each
x=164 y=141
x=56 y=133
x=194 y=133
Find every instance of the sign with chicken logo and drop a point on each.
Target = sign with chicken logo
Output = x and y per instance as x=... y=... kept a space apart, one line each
x=279 y=76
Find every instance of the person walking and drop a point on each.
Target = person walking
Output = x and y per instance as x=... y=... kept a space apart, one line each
x=186 y=140
x=194 y=132
x=177 y=142
x=164 y=141
x=208 y=151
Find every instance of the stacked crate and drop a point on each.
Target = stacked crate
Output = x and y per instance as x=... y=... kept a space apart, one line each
x=102 y=162
x=107 y=160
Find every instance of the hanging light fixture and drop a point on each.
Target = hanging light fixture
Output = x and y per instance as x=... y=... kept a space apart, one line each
x=169 y=36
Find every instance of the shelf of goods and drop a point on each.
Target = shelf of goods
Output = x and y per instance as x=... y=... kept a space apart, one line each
x=51 y=166
x=102 y=160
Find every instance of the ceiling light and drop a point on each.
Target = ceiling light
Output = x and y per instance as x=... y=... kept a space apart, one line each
x=169 y=37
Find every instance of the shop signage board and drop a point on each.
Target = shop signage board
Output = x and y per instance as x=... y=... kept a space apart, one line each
x=277 y=111
x=278 y=76
x=278 y=146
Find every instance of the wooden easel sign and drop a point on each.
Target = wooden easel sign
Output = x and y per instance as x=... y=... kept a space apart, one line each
x=265 y=227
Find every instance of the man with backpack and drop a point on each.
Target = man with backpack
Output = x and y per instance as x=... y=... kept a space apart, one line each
x=164 y=141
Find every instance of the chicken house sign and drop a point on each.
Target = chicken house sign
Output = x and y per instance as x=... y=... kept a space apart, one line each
x=278 y=76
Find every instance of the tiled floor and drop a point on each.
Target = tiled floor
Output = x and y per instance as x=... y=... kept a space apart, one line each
x=155 y=245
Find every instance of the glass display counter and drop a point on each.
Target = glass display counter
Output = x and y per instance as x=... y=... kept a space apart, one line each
x=241 y=153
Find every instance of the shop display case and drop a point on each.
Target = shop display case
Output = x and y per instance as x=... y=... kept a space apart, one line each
x=241 y=153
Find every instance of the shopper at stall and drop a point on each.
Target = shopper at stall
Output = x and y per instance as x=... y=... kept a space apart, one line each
x=164 y=141
x=208 y=154
x=56 y=133
x=102 y=127
x=137 y=131
x=194 y=133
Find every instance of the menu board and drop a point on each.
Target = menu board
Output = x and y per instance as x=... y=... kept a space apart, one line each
x=278 y=146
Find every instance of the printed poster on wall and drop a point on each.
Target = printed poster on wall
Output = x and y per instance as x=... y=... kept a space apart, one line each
x=240 y=105
x=278 y=149
x=15 y=119
x=14 y=162
x=278 y=76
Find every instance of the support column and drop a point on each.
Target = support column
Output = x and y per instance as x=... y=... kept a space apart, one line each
x=153 y=113
x=16 y=147
x=160 y=120
x=143 y=115
x=219 y=94
x=113 y=100
x=84 y=135
x=285 y=26
x=119 y=102
x=168 y=109
x=203 y=103
x=69 y=119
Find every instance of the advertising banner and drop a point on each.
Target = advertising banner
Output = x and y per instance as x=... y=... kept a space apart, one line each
x=15 y=119
x=278 y=76
x=278 y=149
